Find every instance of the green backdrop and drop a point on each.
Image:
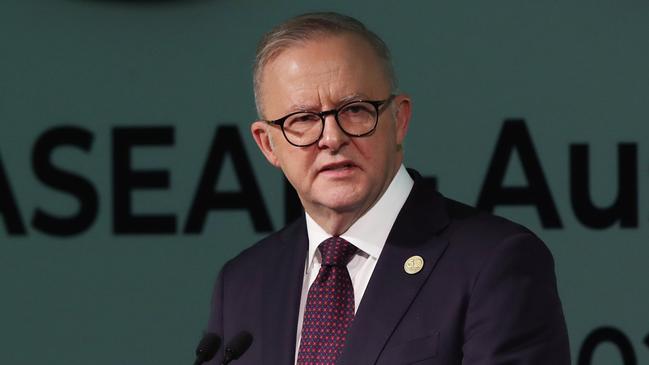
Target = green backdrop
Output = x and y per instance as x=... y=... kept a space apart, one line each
x=86 y=73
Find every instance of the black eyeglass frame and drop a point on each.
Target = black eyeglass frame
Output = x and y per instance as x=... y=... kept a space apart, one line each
x=377 y=104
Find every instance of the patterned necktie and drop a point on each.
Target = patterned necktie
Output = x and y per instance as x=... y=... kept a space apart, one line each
x=329 y=306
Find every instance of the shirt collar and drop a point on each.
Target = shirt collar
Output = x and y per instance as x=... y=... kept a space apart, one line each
x=371 y=230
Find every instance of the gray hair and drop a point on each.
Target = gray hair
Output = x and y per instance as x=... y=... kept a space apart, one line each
x=307 y=27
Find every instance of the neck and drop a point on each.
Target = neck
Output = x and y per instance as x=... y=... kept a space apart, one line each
x=335 y=223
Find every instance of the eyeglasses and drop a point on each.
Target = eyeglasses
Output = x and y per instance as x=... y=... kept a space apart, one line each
x=356 y=118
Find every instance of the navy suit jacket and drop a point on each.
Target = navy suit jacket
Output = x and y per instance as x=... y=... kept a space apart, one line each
x=486 y=294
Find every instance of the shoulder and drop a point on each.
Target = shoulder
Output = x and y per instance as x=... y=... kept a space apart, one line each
x=481 y=240
x=469 y=223
x=507 y=275
x=429 y=211
x=251 y=258
x=498 y=260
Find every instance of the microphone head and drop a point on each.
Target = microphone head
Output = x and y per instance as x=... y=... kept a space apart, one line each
x=238 y=345
x=208 y=346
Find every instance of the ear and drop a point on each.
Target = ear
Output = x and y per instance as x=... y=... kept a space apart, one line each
x=261 y=133
x=402 y=114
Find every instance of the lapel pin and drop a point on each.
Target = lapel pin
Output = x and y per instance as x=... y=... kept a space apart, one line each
x=413 y=265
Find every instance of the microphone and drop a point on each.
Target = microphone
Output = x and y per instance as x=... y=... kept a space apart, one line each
x=207 y=348
x=237 y=346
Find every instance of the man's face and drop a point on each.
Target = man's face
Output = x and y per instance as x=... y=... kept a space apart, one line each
x=338 y=174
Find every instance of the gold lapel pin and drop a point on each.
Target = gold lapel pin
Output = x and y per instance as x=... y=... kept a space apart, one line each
x=413 y=265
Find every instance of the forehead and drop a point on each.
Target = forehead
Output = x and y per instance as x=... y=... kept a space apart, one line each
x=320 y=73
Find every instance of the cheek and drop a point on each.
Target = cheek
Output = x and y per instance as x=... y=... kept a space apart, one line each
x=367 y=147
x=296 y=166
x=373 y=152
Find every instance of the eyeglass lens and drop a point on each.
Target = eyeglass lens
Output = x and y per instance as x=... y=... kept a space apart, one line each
x=355 y=119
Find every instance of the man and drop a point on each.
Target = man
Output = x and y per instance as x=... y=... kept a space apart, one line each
x=381 y=269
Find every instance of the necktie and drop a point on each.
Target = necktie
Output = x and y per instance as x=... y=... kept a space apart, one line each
x=329 y=307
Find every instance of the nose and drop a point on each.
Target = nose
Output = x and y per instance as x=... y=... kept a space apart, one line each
x=333 y=137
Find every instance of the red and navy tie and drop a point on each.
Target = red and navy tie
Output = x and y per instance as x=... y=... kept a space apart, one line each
x=329 y=307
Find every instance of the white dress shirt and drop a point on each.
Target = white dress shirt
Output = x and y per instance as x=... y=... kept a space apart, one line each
x=368 y=234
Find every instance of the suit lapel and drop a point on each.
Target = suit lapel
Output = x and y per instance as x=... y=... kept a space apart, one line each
x=282 y=287
x=391 y=290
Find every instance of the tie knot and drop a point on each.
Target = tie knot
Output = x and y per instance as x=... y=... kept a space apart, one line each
x=336 y=251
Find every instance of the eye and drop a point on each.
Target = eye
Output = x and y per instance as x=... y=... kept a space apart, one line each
x=301 y=120
x=305 y=118
x=358 y=108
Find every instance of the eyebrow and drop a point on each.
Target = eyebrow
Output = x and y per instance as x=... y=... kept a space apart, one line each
x=352 y=97
x=343 y=100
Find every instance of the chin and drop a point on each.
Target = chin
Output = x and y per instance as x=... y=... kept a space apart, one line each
x=342 y=201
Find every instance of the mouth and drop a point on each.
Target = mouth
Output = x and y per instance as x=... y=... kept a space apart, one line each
x=338 y=166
